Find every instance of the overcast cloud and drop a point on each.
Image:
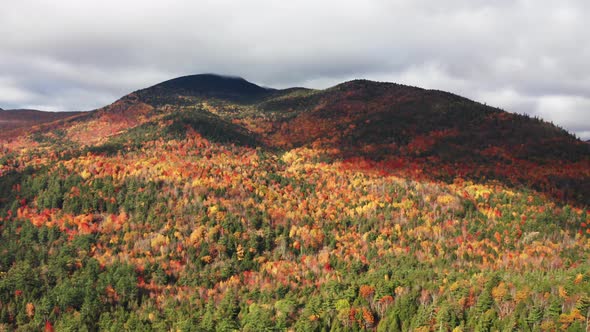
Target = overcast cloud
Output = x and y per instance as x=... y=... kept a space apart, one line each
x=525 y=56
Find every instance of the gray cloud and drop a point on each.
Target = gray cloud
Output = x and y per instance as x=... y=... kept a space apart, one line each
x=524 y=56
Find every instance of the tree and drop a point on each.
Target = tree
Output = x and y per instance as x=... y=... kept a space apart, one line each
x=257 y=318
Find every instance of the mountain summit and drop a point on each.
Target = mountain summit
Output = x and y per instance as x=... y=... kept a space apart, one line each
x=208 y=85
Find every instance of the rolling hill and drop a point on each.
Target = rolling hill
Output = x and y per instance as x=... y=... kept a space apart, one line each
x=22 y=118
x=209 y=203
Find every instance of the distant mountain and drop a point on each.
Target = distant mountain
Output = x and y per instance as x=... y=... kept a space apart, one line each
x=21 y=118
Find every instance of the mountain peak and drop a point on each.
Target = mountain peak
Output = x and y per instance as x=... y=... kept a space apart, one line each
x=211 y=85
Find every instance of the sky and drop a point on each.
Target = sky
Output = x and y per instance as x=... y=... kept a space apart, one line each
x=524 y=56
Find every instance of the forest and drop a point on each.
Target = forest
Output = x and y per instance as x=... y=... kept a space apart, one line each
x=273 y=214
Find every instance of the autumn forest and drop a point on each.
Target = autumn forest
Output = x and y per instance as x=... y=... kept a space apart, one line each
x=208 y=203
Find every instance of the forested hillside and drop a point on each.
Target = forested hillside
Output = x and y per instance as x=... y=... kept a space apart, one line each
x=207 y=203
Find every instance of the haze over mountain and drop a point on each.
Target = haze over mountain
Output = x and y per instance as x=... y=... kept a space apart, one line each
x=208 y=203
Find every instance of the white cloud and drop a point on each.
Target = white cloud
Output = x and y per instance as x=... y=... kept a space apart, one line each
x=570 y=112
x=11 y=93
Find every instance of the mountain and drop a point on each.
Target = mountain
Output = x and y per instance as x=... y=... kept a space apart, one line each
x=17 y=118
x=13 y=122
x=399 y=128
x=210 y=203
x=444 y=135
x=204 y=85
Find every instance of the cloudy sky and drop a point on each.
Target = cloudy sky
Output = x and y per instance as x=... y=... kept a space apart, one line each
x=525 y=56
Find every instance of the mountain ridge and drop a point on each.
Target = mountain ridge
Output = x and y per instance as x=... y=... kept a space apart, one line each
x=15 y=121
x=400 y=128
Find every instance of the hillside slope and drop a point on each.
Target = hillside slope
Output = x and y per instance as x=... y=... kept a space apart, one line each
x=438 y=134
x=210 y=204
